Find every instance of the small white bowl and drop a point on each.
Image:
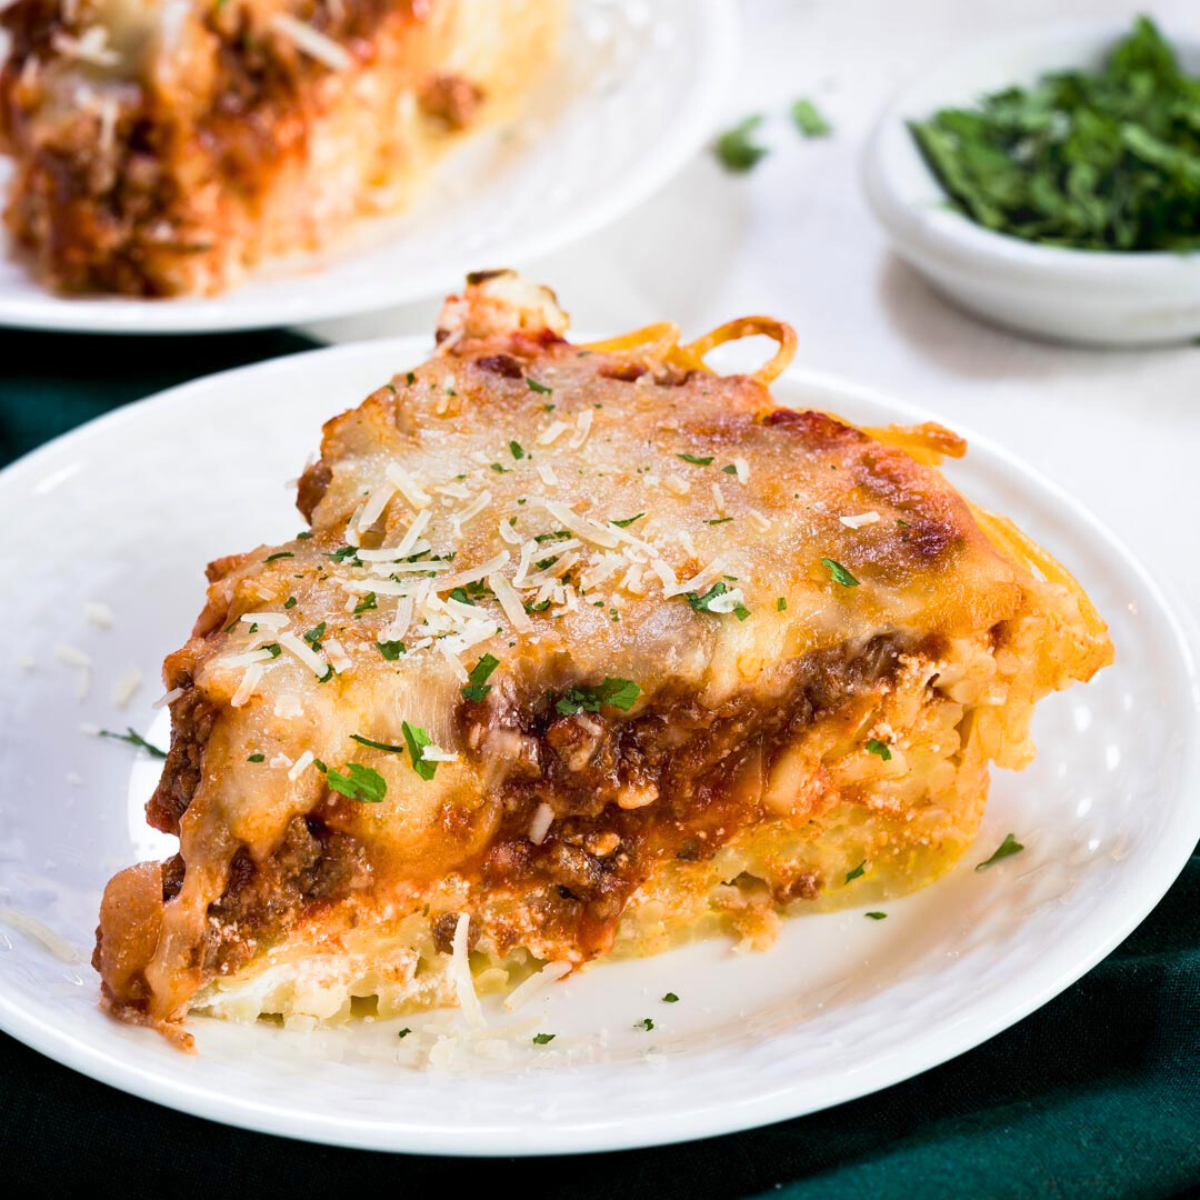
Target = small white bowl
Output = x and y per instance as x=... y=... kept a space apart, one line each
x=1094 y=297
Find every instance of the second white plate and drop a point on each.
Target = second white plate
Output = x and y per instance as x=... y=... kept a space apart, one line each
x=126 y=511
x=637 y=88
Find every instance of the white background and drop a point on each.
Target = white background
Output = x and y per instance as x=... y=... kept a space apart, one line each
x=794 y=238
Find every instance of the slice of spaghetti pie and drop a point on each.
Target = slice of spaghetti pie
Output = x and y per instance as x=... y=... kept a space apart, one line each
x=588 y=650
x=162 y=146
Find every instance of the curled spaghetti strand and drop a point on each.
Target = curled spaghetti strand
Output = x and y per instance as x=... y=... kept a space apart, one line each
x=661 y=341
x=1009 y=540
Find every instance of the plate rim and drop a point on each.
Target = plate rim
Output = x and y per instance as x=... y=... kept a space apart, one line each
x=983 y=1020
x=720 y=43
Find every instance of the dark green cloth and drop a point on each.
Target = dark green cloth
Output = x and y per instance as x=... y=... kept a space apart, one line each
x=1096 y=1095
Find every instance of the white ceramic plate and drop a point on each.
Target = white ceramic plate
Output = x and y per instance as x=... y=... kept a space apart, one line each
x=638 y=87
x=127 y=510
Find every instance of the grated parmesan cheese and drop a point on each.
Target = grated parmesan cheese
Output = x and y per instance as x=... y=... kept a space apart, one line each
x=867 y=518
x=543 y=818
x=40 y=932
x=583 y=426
x=125 y=687
x=98 y=614
x=408 y=487
x=301 y=765
x=510 y=602
x=253 y=674
x=312 y=42
x=460 y=965
x=535 y=984
x=552 y=433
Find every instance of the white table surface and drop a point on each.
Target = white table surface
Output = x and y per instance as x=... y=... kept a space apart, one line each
x=794 y=238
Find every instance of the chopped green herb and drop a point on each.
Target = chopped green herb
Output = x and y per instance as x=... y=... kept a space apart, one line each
x=619 y=693
x=875 y=746
x=696 y=459
x=704 y=603
x=478 y=687
x=256 y=758
x=839 y=573
x=670 y=998
x=343 y=552
x=387 y=746
x=557 y=536
x=417 y=739
x=499 y=469
x=719 y=521
x=540 y=606
x=390 y=650
x=627 y=521
x=861 y=869
x=229 y=627
x=876 y=916
x=279 y=554
x=290 y=602
x=543 y=1039
x=460 y=594
x=134 y=739
x=254 y=627
x=367 y=603
x=273 y=649
x=809 y=121
x=314 y=635
x=518 y=451
x=411 y=378
x=729 y=470
x=1008 y=847
x=781 y=604
x=540 y=388
x=736 y=148
x=403 y=1033
x=1096 y=160
x=645 y=1024
x=358 y=782
x=320 y=765
x=304 y=535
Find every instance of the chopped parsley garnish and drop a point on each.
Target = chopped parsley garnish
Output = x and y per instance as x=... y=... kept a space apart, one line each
x=557 y=536
x=781 y=604
x=343 y=552
x=670 y=998
x=411 y=378
x=329 y=674
x=540 y=388
x=304 y=535
x=696 y=459
x=320 y=765
x=704 y=603
x=478 y=686
x=358 y=782
x=314 y=635
x=620 y=693
x=1008 y=847
x=1092 y=159
x=518 y=451
x=543 y=1039
x=876 y=916
x=254 y=627
x=719 y=521
x=627 y=521
x=645 y=1024
x=539 y=606
x=367 y=603
x=256 y=758
x=809 y=121
x=273 y=649
x=736 y=148
x=839 y=573
x=290 y=602
x=134 y=739
x=460 y=594
x=403 y=1033
x=417 y=739
x=499 y=469
x=390 y=650
x=875 y=746
x=861 y=869
x=230 y=626
x=729 y=470
x=362 y=741
x=279 y=554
